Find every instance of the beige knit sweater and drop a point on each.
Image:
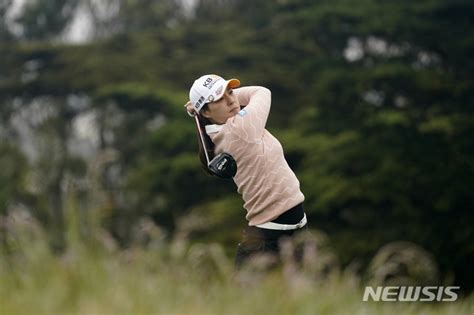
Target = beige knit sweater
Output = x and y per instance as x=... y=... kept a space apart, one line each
x=267 y=184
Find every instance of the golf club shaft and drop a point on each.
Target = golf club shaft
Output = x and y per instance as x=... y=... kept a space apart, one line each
x=202 y=138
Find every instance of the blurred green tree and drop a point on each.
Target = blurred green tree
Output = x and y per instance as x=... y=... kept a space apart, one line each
x=45 y=19
x=372 y=102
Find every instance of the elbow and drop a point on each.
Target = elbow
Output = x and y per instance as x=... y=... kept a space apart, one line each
x=267 y=92
x=269 y=95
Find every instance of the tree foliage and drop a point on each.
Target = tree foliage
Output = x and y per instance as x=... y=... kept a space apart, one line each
x=372 y=102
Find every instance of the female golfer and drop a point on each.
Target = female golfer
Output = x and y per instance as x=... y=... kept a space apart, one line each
x=231 y=121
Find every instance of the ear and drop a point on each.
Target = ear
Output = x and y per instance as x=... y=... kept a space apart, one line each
x=205 y=113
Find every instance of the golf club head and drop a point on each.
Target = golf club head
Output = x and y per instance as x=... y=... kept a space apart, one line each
x=223 y=165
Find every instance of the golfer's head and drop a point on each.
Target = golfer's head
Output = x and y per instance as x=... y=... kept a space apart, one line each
x=212 y=97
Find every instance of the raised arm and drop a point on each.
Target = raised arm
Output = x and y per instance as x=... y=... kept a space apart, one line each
x=250 y=123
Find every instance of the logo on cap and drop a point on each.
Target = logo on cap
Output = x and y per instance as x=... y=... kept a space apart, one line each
x=210 y=81
x=219 y=90
x=207 y=83
x=199 y=102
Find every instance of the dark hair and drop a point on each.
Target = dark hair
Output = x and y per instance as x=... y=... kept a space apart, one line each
x=203 y=121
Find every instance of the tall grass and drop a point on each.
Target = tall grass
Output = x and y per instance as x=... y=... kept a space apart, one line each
x=176 y=278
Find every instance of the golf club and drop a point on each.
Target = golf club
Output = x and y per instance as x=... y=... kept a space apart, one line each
x=222 y=165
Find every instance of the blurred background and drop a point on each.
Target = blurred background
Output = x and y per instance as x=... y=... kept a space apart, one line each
x=373 y=102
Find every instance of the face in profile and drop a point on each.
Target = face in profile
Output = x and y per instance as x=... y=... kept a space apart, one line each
x=222 y=109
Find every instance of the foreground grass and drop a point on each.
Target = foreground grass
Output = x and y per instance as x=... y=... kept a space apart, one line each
x=177 y=278
x=143 y=282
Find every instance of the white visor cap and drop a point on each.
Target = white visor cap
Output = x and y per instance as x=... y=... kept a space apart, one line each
x=209 y=88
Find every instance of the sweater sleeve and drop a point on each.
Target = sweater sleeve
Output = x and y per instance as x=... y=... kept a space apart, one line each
x=249 y=123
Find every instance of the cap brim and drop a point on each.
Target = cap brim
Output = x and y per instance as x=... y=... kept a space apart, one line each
x=233 y=83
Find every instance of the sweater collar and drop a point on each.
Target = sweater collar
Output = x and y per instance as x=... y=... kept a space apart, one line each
x=213 y=128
